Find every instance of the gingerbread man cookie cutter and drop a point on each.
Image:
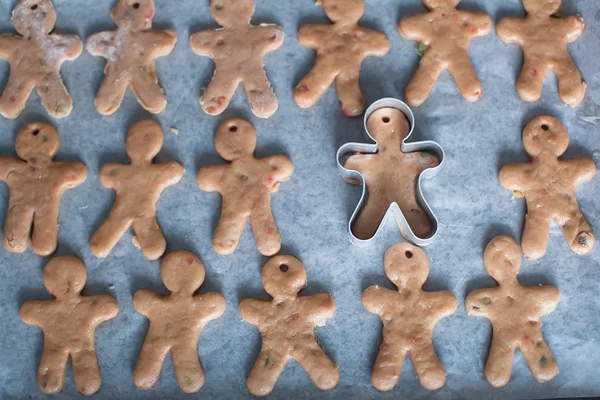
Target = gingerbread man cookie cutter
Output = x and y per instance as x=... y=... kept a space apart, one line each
x=393 y=209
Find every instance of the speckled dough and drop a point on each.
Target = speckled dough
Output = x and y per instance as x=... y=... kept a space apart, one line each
x=544 y=38
x=238 y=50
x=409 y=316
x=130 y=54
x=245 y=184
x=447 y=32
x=515 y=312
x=390 y=175
x=69 y=323
x=341 y=49
x=36 y=185
x=287 y=325
x=176 y=322
x=138 y=187
x=35 y=59
x=549 y=186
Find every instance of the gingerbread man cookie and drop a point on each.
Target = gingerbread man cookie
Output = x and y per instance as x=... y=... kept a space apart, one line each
x=35 y=59
x=515 y=312
x=544 y=38
x=238 y=50
x=36 y=185
x=341 y=49
x=409 y=316
x=245 y=184
x=138 y=187
x=287 y=325
x=69 y=323
x=390 y=175
x=130 y=54
x=446 y=33
x=549 y=186
x=176 y=322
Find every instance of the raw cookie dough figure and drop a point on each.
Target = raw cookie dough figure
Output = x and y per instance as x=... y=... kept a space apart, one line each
x=238 y=51
x=176 y=322
x=409 y=316
x=35 y=59
x=36 y=185
x=138 y=187
x=447 y=32
x=341 y=49
x=544 y=38
x=515 y=312
x=390 y=175
x=69 y=323
x=287 y=325
x=130 y=52
x=549 y=186
x=245 y=184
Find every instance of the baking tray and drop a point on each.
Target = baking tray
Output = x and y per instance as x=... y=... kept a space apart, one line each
x=312 y=210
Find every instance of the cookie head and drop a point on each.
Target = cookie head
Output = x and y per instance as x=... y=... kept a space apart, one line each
x=406 y=265
x=545 y=7
x=502 y=258
x=34 y=16
x=545 y=135
x=235 y=138
x=232 y=12
x=343 y=11
x=182 y=271
x=37 y=140
x=283 y=276
x=388 y=125
x=144 y=141
x=64 y=276
x=432 y=4
x=135 y=14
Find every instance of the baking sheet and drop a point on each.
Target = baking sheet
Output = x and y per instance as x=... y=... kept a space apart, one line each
x=312 y=210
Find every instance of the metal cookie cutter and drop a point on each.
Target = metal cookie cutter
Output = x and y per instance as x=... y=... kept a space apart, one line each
x=393 y=209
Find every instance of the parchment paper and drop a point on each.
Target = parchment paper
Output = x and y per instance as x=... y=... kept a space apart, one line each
x=312 y=210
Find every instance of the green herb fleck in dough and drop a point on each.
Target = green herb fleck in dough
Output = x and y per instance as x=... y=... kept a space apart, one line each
x=422 y=49
x=486 y=300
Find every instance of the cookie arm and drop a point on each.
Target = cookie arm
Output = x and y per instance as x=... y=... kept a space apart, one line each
x=415 y=27
x=209 y=178
x=108 y=173
x=163 y=42
x=475 y=303
x=71 y=44
x=375 y=299
x=575 y=27
x=272 y=35
x=173 y=172
x=8 y=44
x=444 y=303
x=428 y=161
x=100 y=44
x=319 y=307
x=74 y=173
x=144 y=300
x=513 y=176
x=377 y=44
x=354 y=163
x=508 y=30
x=202 y=43
x=480 y=21
x=31 y=311
x=106 y=307
x=282 y=168
x=546 y=296
x=310 y=35
x=210 y=305
x=7 y=165
x=252 y=310
x=584 y=169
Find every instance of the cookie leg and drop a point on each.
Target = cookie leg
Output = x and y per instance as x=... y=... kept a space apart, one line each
x=535 y=235
x=571 y=85
x=51 y=373
x=422 y=82
x=369 y=218
x=54 y=96
x=388 y=366
x=109 y=233
x=265 y=372
x=218 y=94
x=578 y=232
x=16 y=228
x=188 y=370
x=261 y=97
x=323 y=372
x=499 y=364
x=229 y=229
x=44 y=237
x=531 y=80
x=348 y=89
x=540 y=360
x=429 y=369
x=268 y=241
x=15 y=95
x=148 y=92
x=466 y=78
x=314 y=84
x=86 y=372
x=150 y=362
x=109 y=97
x=150 y=237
